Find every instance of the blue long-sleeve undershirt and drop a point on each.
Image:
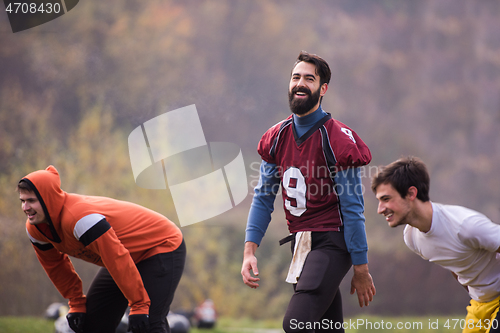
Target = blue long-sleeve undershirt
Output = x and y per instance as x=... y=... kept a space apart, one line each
x=349 y=190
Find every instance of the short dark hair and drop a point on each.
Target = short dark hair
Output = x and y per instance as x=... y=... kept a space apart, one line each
x=322 y=68
x=404 y=173
x=23 y=185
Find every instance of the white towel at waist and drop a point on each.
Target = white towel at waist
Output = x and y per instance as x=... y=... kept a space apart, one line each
x=300 y=252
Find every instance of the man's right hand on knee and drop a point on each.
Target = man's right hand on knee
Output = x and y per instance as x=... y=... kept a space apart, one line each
x=138 y=323
x=76 y=321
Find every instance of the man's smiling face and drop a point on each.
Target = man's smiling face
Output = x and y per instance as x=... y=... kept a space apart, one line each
x=305 y=90
x=32 y=207
x=390 y=204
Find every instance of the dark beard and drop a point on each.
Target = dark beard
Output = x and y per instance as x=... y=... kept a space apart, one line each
x=300 y=107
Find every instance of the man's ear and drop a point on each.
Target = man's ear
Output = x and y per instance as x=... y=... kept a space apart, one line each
x=324 y=88
x=412 y=193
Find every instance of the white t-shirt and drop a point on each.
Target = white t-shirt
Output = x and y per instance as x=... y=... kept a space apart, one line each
x=464 y=242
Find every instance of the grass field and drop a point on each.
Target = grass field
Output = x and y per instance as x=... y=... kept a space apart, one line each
x=226 y=325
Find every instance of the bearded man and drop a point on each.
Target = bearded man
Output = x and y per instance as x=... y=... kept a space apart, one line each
x=317 y=160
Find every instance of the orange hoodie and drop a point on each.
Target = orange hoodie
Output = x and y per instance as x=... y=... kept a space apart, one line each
x=106 y=232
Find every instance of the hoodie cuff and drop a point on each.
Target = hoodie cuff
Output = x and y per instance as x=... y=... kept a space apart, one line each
x=139 y=308
x=78 y=304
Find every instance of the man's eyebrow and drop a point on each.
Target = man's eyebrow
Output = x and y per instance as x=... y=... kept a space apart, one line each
x=306 y=75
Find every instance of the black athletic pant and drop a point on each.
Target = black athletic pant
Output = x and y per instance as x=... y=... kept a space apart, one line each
x=160 y=274
x=316 y=305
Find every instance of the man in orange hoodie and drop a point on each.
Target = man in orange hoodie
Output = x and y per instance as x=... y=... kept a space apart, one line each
x=141 y=252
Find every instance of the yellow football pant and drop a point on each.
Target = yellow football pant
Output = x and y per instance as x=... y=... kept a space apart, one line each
x=481 y=316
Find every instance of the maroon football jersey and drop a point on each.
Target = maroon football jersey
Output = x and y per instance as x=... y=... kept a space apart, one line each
x=307 y=166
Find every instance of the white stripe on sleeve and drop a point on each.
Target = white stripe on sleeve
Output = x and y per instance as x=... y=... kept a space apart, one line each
x=86 y=223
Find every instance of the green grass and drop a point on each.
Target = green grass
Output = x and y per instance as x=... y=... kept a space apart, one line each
x=369 y=324
x=226 y=325
x=372 y=324
x=26 y=324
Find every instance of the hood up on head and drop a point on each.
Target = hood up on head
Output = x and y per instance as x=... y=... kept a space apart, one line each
x=47 y=186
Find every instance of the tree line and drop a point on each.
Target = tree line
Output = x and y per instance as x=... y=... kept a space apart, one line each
x=419 y=78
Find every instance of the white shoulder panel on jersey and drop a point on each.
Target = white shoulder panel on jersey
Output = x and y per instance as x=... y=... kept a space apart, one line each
x=85 y=223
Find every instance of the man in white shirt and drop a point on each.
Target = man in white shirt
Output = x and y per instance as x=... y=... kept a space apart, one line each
x=459 y=239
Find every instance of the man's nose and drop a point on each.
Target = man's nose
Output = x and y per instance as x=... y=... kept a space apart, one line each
x=381 y=208
x=301 y=83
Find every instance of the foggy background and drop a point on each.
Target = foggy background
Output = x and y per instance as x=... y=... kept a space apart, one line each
x=410 y=77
